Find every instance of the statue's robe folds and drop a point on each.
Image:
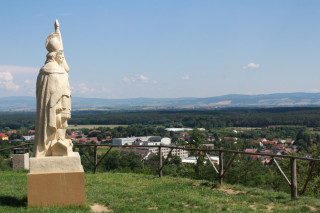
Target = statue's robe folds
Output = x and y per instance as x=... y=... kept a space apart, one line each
x=53 y=107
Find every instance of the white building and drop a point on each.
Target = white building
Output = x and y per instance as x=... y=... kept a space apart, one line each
x=151 y=141
x=183 y=129
x=127 y=141
x=28 y=138
x=143 y=140
x=178 y=129
x=192 y=159
x=165 y=152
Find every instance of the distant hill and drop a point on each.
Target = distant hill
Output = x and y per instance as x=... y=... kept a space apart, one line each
x=26 y=103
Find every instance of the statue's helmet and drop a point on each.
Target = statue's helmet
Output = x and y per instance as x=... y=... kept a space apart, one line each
x=53 y=43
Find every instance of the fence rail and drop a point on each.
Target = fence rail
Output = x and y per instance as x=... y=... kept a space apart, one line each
x=222 y=170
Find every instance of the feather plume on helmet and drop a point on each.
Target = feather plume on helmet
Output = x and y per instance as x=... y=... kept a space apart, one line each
x=54 y=40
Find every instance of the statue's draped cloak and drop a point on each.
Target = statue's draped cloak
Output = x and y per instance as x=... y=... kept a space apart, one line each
x=53 y=102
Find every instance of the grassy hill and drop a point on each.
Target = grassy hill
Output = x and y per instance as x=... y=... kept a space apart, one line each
x=28 y=103
x=120 y=192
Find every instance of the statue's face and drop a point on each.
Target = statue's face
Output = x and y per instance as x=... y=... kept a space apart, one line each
x=60 y=58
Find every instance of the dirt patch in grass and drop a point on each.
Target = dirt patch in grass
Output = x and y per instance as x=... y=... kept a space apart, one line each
x=230 y=191
x=187 y=205
x=100 y=208
x=153 y=208
x=253 y=206
x=313 y=209
x=270 y=207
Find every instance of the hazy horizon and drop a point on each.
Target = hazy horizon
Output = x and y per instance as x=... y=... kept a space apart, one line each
x=266 y=94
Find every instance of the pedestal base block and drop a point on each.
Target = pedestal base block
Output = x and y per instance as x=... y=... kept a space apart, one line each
x=56 y=189
x=20 y=161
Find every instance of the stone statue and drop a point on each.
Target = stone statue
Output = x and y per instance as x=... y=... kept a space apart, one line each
x=56 y=176
x=53 y=101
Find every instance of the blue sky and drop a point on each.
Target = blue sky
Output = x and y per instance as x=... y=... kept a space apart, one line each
x=128 y=49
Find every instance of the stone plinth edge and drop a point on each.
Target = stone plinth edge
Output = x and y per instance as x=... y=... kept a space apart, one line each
x=56 y=164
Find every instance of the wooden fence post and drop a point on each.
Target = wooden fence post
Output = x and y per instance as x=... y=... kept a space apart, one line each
x=221 y=167
x=294 y=184
x=160 y=162
x=95 y=159
x=309 y=176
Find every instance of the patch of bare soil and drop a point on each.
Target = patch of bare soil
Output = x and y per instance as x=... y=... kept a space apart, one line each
x=270 y=207
x=100 y=208
x=231 y=191
x=253 y=206
x=186 y=204
x=153 y=207
x=313 y=209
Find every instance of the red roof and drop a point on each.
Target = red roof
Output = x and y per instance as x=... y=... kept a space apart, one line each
x=3 y=135
x=74 y=133
x=32 y=131
x=11 y=132
x=94 y=131
x=269 y=142
x=70 y=136
x=93 y=139
x=251 y=150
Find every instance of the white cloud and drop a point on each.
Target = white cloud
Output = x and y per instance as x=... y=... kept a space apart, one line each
x=143 y=78
x=186 y=77
x=251 y=66
x=106 y=90
x=314 y=90
x=27 y=82
x=6 y=76
x=18 y=69
x=128 y=80
x=6 y=81
x=10 y=85
x=82 y=88
x=137 y=78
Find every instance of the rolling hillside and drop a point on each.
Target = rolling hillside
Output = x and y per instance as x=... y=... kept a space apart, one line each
x=26 y=103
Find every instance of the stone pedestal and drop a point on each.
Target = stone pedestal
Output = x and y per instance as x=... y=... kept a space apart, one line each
x=56 y=164
x=20 y=161
x=56 y=189
x=56 y=181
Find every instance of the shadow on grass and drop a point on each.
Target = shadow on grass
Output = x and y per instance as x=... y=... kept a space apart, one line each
x=13 y=201
x=212 y=185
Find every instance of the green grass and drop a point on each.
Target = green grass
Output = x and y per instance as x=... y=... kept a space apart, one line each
x=144 y=193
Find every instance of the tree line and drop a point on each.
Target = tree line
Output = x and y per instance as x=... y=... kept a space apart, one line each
x=303 y=116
